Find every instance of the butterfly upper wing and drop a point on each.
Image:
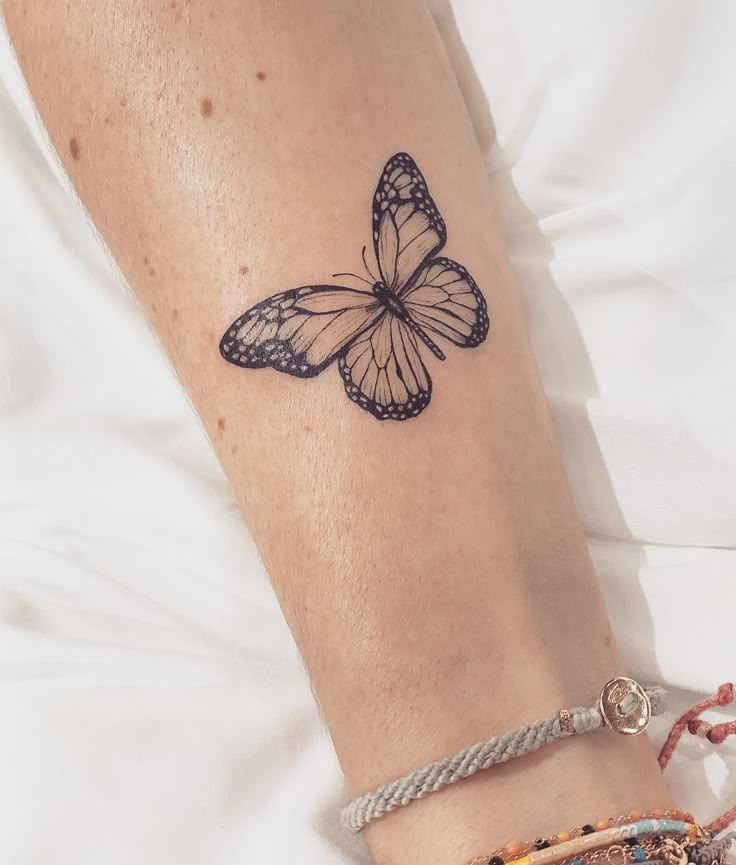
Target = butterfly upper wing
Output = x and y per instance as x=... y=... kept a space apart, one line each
x=445 y=299
x=383 y=371
x=407 y=227
x=300 y=331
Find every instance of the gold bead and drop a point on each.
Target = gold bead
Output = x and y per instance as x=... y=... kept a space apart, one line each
x=703 y=729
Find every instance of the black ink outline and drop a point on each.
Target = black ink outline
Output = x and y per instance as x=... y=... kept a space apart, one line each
x=378 y=327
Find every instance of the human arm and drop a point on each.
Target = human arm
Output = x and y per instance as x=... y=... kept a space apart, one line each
x=433 y=570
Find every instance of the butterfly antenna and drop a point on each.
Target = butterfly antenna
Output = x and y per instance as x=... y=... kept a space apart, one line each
x=361 y=278
x=365 y=264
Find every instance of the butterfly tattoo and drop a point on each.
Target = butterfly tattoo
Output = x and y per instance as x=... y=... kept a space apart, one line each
x=374 y=334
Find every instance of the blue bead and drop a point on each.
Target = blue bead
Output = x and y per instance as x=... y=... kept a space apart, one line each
x=638 y=854
x=576 y=862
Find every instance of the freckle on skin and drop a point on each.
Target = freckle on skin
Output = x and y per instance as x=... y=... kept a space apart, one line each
x=145 y=260
x=205 y=107
x=74 y=148
x=174 y=314
x=152 y=271
x=261 y=76
x=234 y=450
x=221 y=424
x=243 y=269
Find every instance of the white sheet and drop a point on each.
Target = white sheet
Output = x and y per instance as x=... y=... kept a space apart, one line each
x=152 y=707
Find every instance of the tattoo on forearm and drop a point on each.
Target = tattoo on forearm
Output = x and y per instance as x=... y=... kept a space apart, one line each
x=373 y=334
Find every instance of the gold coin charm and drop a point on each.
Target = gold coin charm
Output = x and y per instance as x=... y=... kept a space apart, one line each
x=624 y=706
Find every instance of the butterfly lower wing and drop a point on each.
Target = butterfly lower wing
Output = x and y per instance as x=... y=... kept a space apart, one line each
x=300 y=331
x=383 y=371
x=407 y=226
x=445 y=299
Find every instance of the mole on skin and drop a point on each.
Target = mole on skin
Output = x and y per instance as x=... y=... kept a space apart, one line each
x=243 y=269
x=205 y=107
x=74 y=148
x=221 y=424
x=261 y=76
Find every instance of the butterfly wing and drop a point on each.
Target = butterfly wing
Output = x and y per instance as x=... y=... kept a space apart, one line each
x=407 y=227
x=383 y=371
x=445 y=299
x=300 y=331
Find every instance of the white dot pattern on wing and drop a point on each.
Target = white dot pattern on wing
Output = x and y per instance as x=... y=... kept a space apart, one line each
x=393 y=411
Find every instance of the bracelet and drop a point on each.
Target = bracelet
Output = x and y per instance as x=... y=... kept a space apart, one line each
x=665 y=840
x=577 y=847
x=517 y=849
x=671 y=838
x=623 y=706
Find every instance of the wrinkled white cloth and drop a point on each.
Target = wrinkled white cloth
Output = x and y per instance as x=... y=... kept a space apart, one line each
x=152 y=705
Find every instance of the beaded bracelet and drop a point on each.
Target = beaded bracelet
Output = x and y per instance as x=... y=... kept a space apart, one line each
x=623 y=706
x=516 y=849
x=577 y=846
x=697 y=847
x=572 y=847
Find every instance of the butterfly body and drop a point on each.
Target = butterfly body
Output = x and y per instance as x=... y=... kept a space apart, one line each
x=373 y=334
x=394 y=306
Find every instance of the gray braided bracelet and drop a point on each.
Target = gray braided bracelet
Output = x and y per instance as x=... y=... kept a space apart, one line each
x=706 y=854
x=623 y=705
